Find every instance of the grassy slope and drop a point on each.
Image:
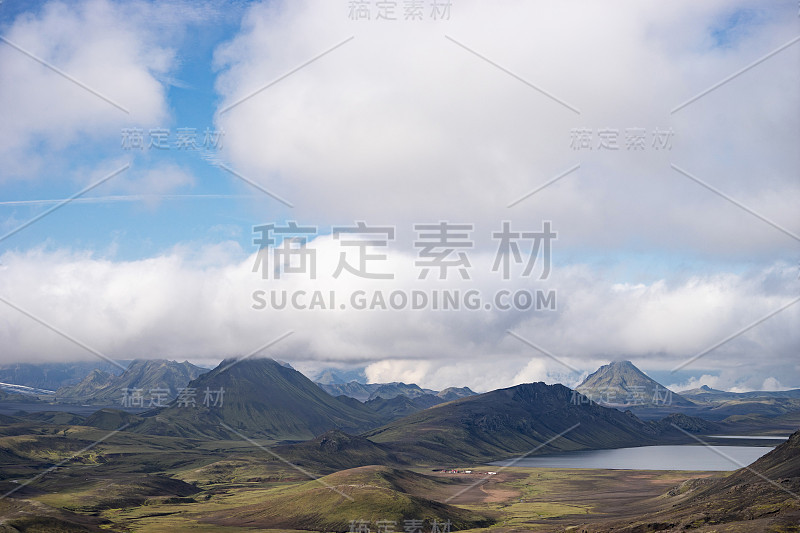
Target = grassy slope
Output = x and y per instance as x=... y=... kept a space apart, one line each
x=367 y=493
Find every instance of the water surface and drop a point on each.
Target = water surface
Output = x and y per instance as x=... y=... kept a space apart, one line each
x=686 y=457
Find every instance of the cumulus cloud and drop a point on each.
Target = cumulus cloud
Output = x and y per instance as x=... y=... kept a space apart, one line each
x=402 y=123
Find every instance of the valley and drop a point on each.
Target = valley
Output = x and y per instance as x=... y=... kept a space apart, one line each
x=278 y=453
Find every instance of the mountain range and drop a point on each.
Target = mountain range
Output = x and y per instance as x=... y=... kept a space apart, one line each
x=507 y=422
x=263 y=399
x=156 y=380
x=370 y=391
x=52 y=376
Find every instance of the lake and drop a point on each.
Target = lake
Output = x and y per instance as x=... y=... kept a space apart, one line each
x=686 y=457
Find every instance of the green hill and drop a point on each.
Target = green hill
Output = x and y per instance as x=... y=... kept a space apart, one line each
x=260 y=398
x=511 y=421
x=371 y=494
x=336 y=450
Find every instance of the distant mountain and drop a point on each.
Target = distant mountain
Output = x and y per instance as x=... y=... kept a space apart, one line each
x=156 y=380
x=512 y=421
x=760 y=497
x=24 y=390
x=390 y=390
x=703 y=390
x=370 y=391
x=353 y=389
x=53 y=376
x=706 y=394
x=259 y=398
x=338 y=377
x=362 y=392
x=454 y=393
x=95 y=382
x=622 y=384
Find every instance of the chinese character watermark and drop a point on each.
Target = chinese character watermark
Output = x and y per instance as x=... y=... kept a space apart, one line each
x=403 y=10
x=185 y=139
x=612 y=139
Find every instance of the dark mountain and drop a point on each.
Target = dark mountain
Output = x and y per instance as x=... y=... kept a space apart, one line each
x=512 y=421
x=259 y=398
x=761 y=497
x=692 y=424
x=622 y=384
x=52 y=376
x=400 y=406
x=157 y=380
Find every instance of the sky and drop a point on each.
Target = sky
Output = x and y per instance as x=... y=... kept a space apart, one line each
x=588 y=181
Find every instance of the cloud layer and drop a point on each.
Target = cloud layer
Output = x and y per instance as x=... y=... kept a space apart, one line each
x=197 y=303
x=405 y=122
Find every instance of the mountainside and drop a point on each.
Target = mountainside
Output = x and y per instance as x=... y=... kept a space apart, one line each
x=157 y=382
x=258 y=398
x=621 y=383
x=95 y=382
x=400 y=406
x=764 y=496
x=511 y=421
x=336 y=450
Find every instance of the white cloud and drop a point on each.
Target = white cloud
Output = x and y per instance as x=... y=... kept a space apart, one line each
x=401 y=124
x=119 y=50
x=697 y=382
x=196 y=302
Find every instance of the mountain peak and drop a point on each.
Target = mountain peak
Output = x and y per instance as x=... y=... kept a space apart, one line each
x=258 y=397
x=622 y=383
